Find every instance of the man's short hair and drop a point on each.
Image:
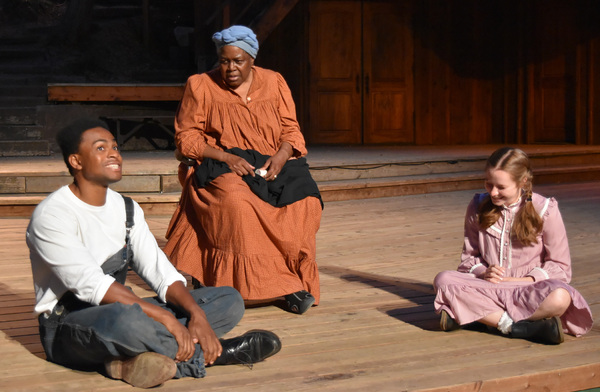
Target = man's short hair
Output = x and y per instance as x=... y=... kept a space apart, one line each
x=69 y=137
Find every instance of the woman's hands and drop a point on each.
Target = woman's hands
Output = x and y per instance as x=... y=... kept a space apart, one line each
x=238 y=165
x=274 y=164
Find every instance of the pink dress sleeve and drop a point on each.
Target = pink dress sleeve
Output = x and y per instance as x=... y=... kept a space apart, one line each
x=556 y=262
x=471 y=260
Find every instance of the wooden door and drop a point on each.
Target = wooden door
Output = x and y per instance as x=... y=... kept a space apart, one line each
x=335 y=72
x=552 y=74
x=387 y=73
x=361 y=57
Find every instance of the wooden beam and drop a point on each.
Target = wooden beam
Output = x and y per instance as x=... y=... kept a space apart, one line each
x=114 y=92
x=146 y=23
x=271 y=18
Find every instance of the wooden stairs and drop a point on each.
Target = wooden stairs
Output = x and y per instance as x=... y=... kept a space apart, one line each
x=342 y=173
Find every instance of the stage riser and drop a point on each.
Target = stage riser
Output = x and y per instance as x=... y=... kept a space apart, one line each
x=166 y=181
x=156 y=203
x=416 y=168
x=342 y=173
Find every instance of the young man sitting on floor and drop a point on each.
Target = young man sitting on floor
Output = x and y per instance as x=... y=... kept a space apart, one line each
x=82 y=240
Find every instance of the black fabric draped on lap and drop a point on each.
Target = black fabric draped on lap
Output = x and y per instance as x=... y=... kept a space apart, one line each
x=293 y=183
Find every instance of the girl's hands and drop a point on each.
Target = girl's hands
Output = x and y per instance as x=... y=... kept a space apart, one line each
x=494 y=274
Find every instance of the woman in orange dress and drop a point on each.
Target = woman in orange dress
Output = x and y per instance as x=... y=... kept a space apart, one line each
x=222 y=233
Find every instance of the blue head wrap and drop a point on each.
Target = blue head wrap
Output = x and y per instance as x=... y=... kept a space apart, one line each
x=240 y=36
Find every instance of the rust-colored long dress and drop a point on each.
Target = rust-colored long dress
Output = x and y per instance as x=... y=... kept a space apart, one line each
x=224 y=234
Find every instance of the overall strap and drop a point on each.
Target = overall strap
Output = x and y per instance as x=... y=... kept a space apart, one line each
x=120 y=272
x=126 y=253
x=129 y=219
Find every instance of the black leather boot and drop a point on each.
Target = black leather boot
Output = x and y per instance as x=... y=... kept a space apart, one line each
x=447 y=323
x=249 y=348
x=547 y=331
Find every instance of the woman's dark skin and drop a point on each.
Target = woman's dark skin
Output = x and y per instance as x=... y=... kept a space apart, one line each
x=235 y=66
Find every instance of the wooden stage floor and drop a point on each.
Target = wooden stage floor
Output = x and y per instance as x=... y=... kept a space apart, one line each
x=375 y=329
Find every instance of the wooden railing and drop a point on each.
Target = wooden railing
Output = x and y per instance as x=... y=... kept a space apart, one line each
x=86 y=92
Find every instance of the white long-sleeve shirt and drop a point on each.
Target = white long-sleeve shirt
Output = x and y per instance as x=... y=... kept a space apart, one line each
x=69 y=240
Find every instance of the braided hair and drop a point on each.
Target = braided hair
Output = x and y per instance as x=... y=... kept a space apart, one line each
x=528 y=224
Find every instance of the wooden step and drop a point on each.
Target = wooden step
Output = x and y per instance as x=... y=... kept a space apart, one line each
x=13 y=54
x=341 y=174
x=22 y=88
x=20 y=67
x=164 y=203
x=22 y=148
x=18 y=115
x=31 y=101
x=20 y=132
x=156 y=171
x=442 y=182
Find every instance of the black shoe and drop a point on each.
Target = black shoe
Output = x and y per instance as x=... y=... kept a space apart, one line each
x=249 y=348
x=547 y=331
x=447 y=323
x=299 y=302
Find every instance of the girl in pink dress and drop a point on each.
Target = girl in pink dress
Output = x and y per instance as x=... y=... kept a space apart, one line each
x=515 y=265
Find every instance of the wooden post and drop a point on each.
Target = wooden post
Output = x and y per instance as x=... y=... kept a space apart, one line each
x=226 y=15
x=197 y=34
x=146 y=23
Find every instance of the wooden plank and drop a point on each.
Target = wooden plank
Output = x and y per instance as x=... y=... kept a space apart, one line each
x=114 y=92
x=12 y=184
x=272 y=17
x=375 y=328
x=570 y=379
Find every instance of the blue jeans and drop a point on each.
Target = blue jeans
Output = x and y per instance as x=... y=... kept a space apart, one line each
x=86 y=338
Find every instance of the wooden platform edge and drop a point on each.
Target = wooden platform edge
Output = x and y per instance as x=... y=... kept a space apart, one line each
x=114 y=92
x=166 y=203
x=577 y=378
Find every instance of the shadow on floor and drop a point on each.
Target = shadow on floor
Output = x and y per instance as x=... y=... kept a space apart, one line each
x=17 y=324
x=421 y=294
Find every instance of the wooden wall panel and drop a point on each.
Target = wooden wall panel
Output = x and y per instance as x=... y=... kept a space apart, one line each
x=387 y=72
x=431 y=73
x=484 y=72
x=335 y=63
x=506 y=72
x=285 y=51
x=552 y=62
x=593 y=109
x=457 y=83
